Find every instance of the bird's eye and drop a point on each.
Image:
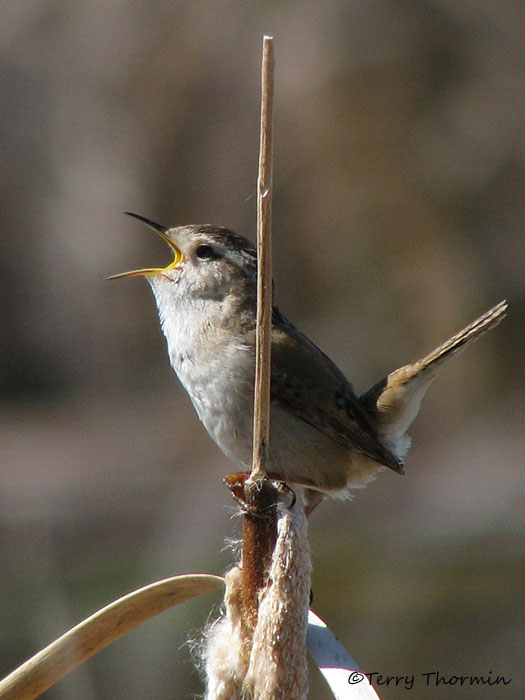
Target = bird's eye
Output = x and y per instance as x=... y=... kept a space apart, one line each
x=205 y=252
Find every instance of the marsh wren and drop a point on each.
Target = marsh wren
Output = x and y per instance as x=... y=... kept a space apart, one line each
x=322 y=435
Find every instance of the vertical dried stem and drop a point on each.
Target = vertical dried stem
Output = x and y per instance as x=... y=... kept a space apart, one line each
x=260 y=532
x=261 y=416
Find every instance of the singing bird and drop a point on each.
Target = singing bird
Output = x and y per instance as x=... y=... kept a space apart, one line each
x=323 y=437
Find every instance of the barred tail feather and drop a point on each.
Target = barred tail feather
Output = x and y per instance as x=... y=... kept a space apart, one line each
x=395 y=400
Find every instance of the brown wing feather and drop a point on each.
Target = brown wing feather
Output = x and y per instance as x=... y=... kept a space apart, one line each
x=313 y=389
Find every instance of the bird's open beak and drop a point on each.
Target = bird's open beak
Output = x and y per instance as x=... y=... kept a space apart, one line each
x=178 y=257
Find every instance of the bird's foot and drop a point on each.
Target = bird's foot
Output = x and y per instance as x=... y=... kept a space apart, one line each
x=266 y=494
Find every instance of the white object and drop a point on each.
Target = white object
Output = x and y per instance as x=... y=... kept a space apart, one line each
x=340 y=670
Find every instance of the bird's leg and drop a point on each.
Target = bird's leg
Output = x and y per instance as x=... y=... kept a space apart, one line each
x=312 y=498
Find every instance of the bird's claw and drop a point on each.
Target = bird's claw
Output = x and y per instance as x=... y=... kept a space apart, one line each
x=236 y=483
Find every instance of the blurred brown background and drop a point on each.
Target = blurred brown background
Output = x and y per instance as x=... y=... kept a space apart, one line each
x=398 y=218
